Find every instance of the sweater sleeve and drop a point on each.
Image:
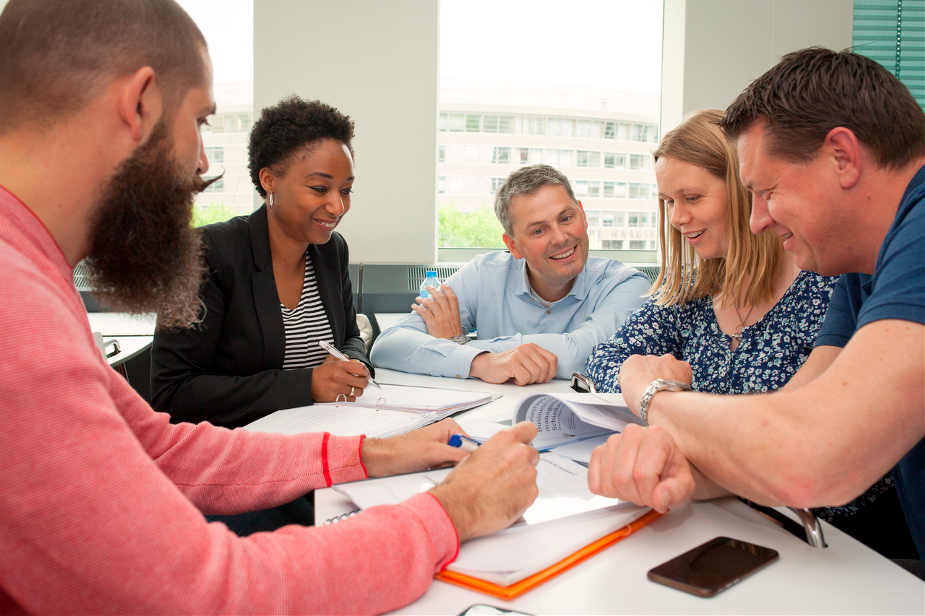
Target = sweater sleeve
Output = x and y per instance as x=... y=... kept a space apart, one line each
x=651 y=330
x=99 y=493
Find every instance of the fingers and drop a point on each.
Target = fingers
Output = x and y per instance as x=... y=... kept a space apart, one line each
x=424 y=313
x=643 y=465
x=537 y=364
x=451 y=297
x=524 y=431
x=552 y=362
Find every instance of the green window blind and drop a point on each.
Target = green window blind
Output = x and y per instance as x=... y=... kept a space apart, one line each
x=892 y=32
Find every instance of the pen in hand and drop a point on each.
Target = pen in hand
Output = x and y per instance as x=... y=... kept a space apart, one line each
x=463 y=442
x=333 y=351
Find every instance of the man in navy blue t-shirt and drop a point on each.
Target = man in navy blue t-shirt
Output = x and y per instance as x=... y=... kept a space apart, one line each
x=832 y=149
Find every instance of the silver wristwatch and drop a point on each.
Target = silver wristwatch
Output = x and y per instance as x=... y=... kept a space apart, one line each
x=460 y=339
x=657 y=386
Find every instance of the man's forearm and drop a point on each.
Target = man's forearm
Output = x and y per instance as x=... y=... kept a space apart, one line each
x=409 y=350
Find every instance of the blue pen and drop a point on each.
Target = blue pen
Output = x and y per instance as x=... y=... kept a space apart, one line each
x=464 y=442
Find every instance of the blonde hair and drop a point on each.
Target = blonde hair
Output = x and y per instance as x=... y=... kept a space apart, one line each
x=746 y=274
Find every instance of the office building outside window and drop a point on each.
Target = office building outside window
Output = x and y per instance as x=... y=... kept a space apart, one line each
x=598 y=129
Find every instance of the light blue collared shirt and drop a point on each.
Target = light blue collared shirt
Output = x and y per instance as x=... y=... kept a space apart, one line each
x=495 y=299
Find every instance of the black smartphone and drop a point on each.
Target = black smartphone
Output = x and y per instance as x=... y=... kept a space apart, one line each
x=713 y=567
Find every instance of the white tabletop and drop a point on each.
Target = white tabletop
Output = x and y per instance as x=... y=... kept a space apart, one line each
x=388 y=319
x=129 y=347
x=112 y=324
x=844 y=578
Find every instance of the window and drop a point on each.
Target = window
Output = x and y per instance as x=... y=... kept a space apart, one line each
x=441 y=185
x=529 y=156
x=583 y=158
x=590 y=129
x=456 y=122
x=611 y=244
x=639 y=191
x=559 y=158
x=560 y=105
x=640 y=162
x=224 y=140
x=442 y=156
x=638 y=219
x=637 y=245
x=218 y=186
x=560 y=127
x=215 y=154
x=891 y=32
x=501 y=156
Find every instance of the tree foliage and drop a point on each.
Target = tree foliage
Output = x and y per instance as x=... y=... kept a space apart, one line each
x=207 y=214
x=459 y=229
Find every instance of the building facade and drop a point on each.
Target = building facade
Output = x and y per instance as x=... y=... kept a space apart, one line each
x=601 y=139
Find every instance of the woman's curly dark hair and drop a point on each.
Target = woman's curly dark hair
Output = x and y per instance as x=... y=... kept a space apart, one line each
x=290 y=125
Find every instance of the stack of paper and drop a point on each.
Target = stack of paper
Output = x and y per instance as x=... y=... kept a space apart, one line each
x=391 y=411
x=564 y=518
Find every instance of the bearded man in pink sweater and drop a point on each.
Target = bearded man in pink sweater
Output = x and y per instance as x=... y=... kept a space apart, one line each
x=101 y=103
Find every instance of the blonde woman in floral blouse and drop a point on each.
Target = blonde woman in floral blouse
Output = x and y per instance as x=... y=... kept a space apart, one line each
x=732 y=304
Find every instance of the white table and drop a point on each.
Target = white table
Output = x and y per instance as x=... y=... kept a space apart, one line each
x=388 y=319
x=116 y=324
x=134 y=333
x=844 y=578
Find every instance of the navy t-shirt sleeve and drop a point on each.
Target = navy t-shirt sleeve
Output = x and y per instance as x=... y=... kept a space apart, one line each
x=899 y=286
x=839 y=323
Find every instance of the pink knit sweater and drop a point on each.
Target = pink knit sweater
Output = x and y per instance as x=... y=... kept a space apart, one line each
x=100 y=497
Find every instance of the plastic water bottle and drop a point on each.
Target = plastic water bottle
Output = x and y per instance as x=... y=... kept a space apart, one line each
x=430 y=280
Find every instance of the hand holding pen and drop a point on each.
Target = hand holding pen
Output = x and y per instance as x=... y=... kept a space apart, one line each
x=333 y=351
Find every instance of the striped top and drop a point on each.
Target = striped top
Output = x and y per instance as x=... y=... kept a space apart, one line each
x=305 y=325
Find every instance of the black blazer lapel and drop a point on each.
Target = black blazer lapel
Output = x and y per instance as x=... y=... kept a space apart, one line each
x=266 y=297
x=329 y=288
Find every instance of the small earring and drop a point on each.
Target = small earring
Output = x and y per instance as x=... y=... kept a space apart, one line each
x=270 y=201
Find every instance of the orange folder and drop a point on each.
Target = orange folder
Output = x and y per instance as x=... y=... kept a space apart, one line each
x=518 y=588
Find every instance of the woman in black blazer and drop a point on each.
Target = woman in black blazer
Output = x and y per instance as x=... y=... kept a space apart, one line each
x=277 y=283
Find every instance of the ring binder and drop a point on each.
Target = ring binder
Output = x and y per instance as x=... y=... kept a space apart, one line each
x=340 y=517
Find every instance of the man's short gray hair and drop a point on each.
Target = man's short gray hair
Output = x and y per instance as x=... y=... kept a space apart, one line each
x=526 y=181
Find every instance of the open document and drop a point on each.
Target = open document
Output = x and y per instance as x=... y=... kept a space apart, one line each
x=391 y=411
x=572 y=423
x=565 y=517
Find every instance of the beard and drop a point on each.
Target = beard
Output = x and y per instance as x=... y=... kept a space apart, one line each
x=145 y=256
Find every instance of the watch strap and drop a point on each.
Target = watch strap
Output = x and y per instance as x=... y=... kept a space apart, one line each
x=656 y=386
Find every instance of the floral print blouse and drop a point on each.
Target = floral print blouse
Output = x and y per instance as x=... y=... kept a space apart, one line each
x=768 y=355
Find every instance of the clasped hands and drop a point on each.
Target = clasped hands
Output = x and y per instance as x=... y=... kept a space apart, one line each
x=644 y=465
x=523 y=365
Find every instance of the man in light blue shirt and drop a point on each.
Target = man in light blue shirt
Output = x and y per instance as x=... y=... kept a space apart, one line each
x=538 y=310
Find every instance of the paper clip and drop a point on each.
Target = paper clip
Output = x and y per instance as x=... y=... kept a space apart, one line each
x=382 y=400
